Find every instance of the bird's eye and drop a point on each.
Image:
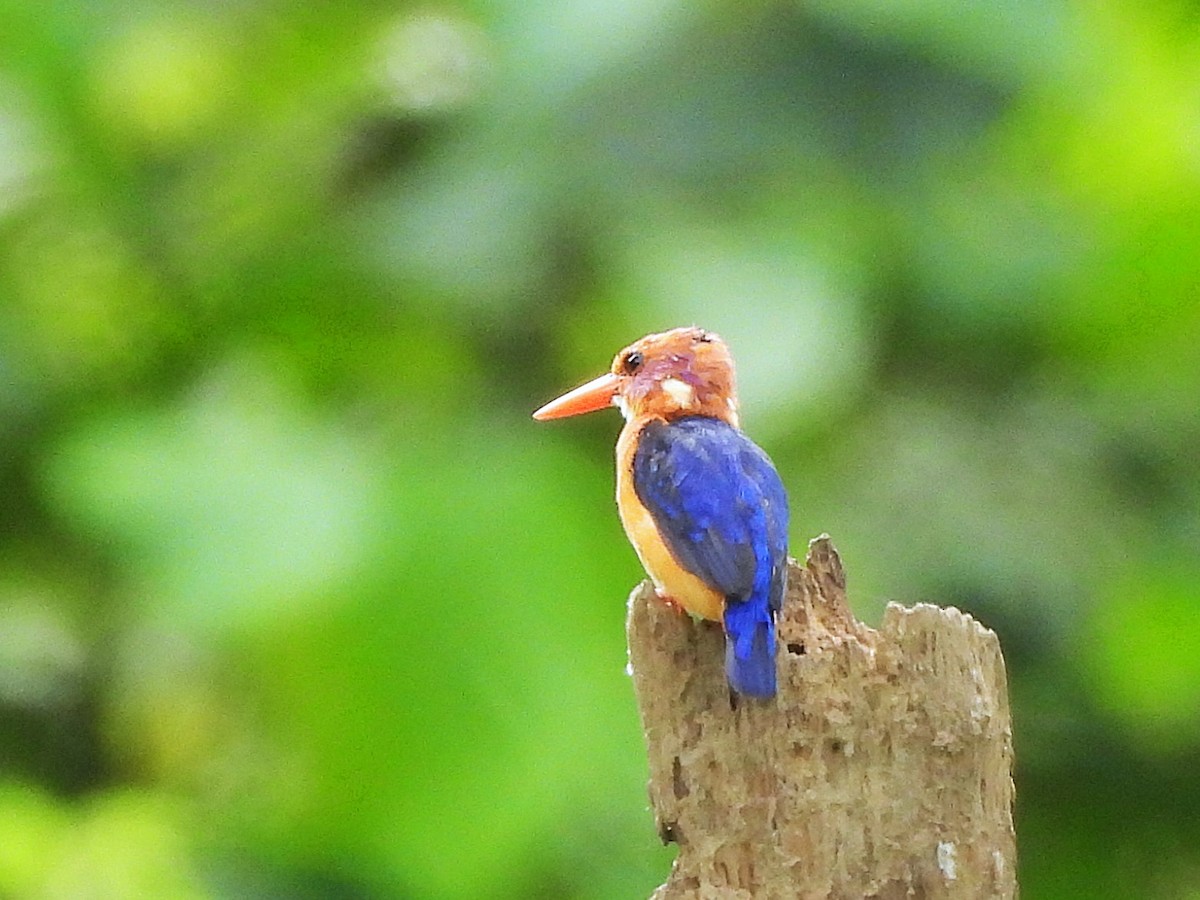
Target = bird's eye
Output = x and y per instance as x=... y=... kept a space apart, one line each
x=632 y=362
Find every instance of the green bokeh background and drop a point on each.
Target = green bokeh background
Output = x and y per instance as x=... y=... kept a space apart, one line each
x=295 y=599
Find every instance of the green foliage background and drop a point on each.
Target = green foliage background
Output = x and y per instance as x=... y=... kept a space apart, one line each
x=295 y=599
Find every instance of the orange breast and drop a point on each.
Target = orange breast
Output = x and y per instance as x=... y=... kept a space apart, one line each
x=670 y=578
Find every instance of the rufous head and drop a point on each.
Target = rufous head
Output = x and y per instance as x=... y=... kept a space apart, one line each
x=681 y=372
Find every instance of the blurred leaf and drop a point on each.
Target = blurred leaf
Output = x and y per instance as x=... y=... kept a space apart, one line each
x=128 y=844
x=32 y=831
x=235 y=508
x=120 y=845
x=1143 y=655
x=165 y=80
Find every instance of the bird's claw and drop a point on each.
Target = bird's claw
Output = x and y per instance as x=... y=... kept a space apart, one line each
x=670 y=602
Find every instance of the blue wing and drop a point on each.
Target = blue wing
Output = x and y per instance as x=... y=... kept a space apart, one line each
x=722 y=511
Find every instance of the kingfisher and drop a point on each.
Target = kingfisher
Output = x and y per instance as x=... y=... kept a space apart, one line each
x=702 y=504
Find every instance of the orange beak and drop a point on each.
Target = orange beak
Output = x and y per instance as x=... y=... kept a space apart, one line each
x=596 y=394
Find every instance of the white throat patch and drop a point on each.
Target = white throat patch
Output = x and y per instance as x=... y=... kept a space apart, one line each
x=620 y=403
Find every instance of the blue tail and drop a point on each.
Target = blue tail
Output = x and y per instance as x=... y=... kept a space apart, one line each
x=751 y=671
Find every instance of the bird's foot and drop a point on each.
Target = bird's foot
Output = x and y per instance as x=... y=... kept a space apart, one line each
x=670 y=603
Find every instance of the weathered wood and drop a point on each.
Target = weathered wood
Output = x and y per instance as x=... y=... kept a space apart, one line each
x=882 y=769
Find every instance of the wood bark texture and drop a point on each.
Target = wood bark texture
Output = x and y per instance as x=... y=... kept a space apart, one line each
x=882 y=769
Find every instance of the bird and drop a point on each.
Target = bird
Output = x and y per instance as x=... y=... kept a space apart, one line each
x=702 y=504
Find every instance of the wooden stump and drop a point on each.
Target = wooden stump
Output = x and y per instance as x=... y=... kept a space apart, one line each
x=882 y=769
